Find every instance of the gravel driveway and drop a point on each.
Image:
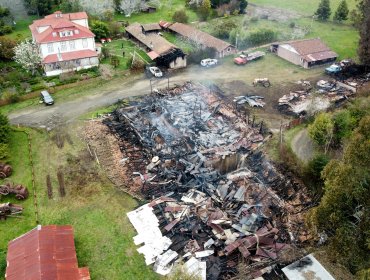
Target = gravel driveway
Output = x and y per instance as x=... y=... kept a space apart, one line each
x=67 y=111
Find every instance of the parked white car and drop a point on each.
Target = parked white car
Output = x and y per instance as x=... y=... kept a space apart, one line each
x=208 y=62
x=156 y=71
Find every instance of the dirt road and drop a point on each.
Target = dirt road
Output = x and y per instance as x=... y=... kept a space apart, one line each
x=104 y=96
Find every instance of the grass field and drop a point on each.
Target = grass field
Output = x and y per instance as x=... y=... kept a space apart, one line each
x=164 y=12
x=96 y=210
x=117 y=47
x=304 y=7
x=21 y=30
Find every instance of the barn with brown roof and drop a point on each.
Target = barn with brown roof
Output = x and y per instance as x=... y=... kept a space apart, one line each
x=44 y=253
x=158 y=48
x=306 y=53
x=202 y=38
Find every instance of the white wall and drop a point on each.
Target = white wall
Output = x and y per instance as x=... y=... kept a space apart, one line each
x=57 y=47
x=82 y=22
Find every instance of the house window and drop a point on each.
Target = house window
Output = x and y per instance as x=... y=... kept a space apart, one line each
x=65 y=33
x=50 y=48
x=84 y=43
x=63 y=46
x=72 y=45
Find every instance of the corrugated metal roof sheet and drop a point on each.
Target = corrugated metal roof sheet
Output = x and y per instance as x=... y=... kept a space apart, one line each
x=46 y=252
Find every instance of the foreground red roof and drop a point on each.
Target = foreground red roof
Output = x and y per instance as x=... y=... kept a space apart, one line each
x=44 y=253
x=47 y=29
x=70 y=56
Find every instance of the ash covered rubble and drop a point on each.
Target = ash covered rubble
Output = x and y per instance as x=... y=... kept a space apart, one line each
x=215 y=200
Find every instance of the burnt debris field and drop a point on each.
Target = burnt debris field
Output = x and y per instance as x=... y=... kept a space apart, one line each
x=214 y=200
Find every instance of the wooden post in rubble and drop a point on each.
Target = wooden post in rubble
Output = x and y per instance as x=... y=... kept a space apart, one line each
x=281 y=134
x=254 y=117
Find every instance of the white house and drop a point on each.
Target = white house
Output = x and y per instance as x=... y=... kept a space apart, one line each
x=65 y=42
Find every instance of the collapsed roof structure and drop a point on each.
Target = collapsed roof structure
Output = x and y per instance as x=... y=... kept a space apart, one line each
x=159 y=49
x=215 y=199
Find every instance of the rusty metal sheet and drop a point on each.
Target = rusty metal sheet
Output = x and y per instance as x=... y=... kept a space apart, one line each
x=46 y=252
x=171 y=225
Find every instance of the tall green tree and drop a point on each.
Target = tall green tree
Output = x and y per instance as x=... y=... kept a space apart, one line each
x=323 y=12
x=40 y=7
x=342 y=11
x=204 y=10
x=364 y=43
x=344 y=210
x=321 y=131
x=243 y=6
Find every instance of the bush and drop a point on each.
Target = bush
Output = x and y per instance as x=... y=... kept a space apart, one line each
x=105 y=52
x=222 y=29
x=6 y=48
x=115 y=29
x=100 y=29
x=4 y=129
x=4 y=151
x=180 y=16
x=198 y=55
x=315 y=166
x=292 y=24
x=114 y=61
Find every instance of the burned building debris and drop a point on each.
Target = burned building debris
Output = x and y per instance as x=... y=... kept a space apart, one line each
x=215 y=200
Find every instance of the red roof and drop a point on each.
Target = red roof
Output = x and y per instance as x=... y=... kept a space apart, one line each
x=58 y=22
x=44 y=253
x=70 y=56
x=71 y=16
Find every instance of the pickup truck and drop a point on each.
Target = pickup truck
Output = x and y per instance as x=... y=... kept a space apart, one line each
x=333 y=69
x=244 y=59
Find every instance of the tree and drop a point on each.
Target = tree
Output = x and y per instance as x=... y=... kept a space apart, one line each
x=342 y=11
x=323 y=12
x=204 y=10
x=180 y=16
x=7 y=48
x=128 y=7
x=364 y=43
x=70 y=6
x=344 y=212
x=39 y=7
x=321 y=131
x=100 y=29
x=243 y=6
x=28 y=56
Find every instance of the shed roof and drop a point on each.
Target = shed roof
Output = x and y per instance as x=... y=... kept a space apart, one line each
x=44 y=253
x=154 y=42
x=312 y=49
x=199 y=36
x=151 y=27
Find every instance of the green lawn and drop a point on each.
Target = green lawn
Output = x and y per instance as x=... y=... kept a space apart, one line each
x=21 y=30
x=305 y=7
x=164 y=12
x=117 y=47
x=95 y=208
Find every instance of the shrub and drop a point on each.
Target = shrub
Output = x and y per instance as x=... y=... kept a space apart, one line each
x=292 y=24
x=222 y=29
x=115 y=29
x=114 y=61
x=6 y=48
x=100 y=29
x=4 y=151
x=4 y=129
x=105 y=52
x=180 y=16
x=198 y=55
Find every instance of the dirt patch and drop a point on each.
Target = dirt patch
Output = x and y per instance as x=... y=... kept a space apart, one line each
x=271 y=13
x=303 y=146
x=338 y=271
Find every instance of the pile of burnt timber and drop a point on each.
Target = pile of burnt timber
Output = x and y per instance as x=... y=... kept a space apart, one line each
x=215 y=200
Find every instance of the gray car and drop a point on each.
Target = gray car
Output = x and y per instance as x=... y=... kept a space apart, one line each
x=46 y=98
